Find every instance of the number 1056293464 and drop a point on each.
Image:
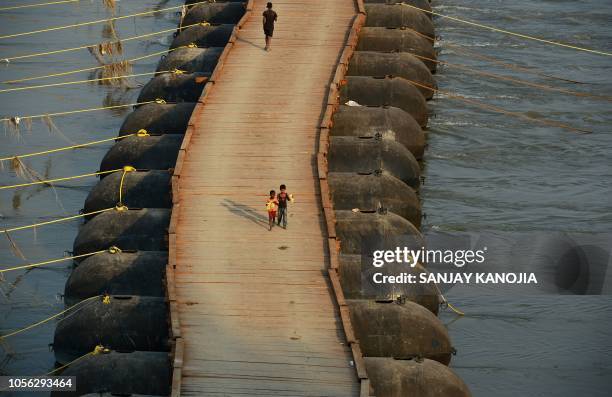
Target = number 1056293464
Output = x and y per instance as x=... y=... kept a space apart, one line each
x=37 y=383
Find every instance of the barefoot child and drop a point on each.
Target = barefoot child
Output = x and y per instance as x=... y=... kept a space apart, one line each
x=283 y=197
x=269 y=17
x=271 y=206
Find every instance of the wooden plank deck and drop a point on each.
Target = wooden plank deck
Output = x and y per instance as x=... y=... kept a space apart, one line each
x=257 y=315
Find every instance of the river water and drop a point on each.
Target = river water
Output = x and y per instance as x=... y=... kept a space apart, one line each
x=484 y=172
x=28 y=297
x=491 y=173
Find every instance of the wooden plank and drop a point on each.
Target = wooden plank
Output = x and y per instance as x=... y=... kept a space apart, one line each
x=187 y=138
x=174 y=218
x=177 y=376
x=172 y=259
x=172 y=243
x=359 y=362
x=324 y=142
x=197 y=112
x=354 y=34
x=365 y=388
x=335 y=280
x=179 y=163
x=333 y=254
x=179 y=353
x=194 y=118
x=321 y=166
x=333 y=95
x=360 y=8
x=170 y=283
x=348 y=328
x=345 y=58
x=327 y=116
x=254 y=307
x=330 y=221
x=234 y=35
x=339 y=75
x=325 y=197
x=174 y=184
x=175 y=324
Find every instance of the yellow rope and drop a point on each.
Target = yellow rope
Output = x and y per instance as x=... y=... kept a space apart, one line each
x=419 y=34
x=500 y=110
x=66 y=148
x=524 y=36
x=444 y=301
x=74 y=25
x=126 y=169
x=81 y=110
x=38 y=264
x=453 y=308
x=38 y=4
x=33 y=87
x=99 y=349
x=68 y=364
x=460 y=49
x=87 y=69
x=84 y=47
x=518 y=81
x=49 y=181
x=68 y=218
x=46 y=320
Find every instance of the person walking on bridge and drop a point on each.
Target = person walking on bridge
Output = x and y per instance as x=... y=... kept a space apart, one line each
x=269 y=17
x=271 y=206
x=283 y=197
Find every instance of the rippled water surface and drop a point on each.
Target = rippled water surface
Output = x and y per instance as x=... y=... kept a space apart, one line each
x=492 y=172
x=26 y=297
x=484 y=171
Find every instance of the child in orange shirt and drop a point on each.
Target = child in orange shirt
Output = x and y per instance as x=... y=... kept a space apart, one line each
x=271 y=206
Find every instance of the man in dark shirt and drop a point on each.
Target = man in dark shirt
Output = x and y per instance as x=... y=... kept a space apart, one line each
x=269 y=17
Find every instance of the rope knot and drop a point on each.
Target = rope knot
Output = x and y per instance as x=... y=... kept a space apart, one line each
x=120 y=207
x=192 y=45
x=128 y=168
x=106 y=299
x=178 y=71
x=99 y=349
x=142 y=133
x=160 y=101
x=114 y=250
